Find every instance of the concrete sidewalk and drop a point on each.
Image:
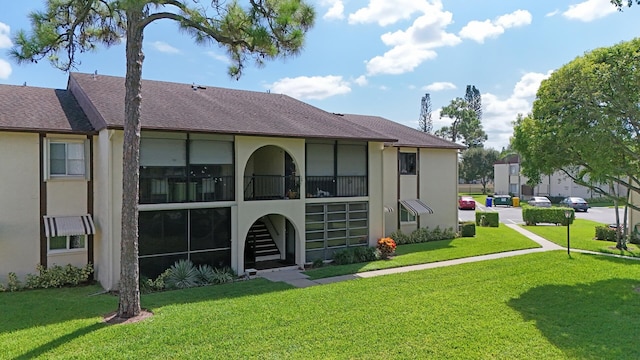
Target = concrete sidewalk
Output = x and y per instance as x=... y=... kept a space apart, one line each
x=298 y=279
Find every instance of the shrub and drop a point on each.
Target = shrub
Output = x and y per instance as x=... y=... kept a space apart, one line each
x=605 y=233
x=183 y=274
x=317 y=263
x=555 y=215
x=13 y=284
x=354 y=254
x=386 y=247
x=206 y=275
x=57 y=276
x=488 y=218
x=401 y=238
x=223 y=275
x=468 y=229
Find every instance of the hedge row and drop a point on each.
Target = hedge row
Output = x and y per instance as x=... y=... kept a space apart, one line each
x=605 y=233
x=487 y=218
x=468 y=229
x=554 y=215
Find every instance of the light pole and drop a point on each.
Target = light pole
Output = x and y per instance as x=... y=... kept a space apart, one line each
x=567 y=215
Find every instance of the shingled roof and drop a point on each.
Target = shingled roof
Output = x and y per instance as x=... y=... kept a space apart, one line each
x=405 y=135
x=182 y=107
x=26 y=108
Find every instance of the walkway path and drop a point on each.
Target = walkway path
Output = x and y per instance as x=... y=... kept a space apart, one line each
x=298 y=279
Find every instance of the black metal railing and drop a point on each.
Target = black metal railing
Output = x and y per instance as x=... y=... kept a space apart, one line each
x=156 y=190
x=271 y=187
x=336 y=186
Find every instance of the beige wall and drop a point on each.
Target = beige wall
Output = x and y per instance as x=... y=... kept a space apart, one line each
x=390 y=188
x=439 y=187
x=19 y=204
x=107 y=206
x=438 y=177
x=250 y=211
x=376 y=191
x=501 y=178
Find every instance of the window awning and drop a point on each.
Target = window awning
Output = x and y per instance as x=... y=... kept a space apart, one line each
x=68 y=225
x=416 y=207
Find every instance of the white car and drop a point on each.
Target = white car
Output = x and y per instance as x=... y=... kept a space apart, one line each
x=540 y=201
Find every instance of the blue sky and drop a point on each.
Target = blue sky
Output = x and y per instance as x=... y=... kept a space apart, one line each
x=379 y=57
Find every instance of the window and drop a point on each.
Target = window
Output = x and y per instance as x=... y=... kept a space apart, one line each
x=407 y=163
x=70 y=242
x=513 y=169
x=513 y=188
x=332 y=227
x=200 y=235
x=66 y=159
x=406 y=216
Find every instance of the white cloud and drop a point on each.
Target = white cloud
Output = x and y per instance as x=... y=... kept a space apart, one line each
x=336 y=10
x=164 y=47
x=218 y=57
x=515 y=19
x=589 y=10
x=552 y=13
x=499 y=113
x=361 y=80
x=386 y=12
x=411 y=47
x=5 y=38
x=439 y=86
x=5 y=69
x=313 y=87
x=481 y=30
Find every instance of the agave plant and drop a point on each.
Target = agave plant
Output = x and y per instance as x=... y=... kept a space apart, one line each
x=223 y=275
x=183 y=274
x=206 y=274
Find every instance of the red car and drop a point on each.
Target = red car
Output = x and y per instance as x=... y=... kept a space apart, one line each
x=466 y=203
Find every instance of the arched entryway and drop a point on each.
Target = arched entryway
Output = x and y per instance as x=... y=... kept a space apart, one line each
x=271 y=173
x=270 y=243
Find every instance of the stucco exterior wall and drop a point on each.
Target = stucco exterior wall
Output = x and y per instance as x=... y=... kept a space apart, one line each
x=376 y=190
x=20 y=204
x=501 y=178
x=439 y=187
x=108 y=206
x=390 y=188
x=250 y=211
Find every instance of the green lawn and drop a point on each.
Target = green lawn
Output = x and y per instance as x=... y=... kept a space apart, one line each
x=581 y=233
x=487 y=241
x=537 y=306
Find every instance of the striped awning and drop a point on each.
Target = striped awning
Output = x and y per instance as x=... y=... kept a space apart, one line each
x=416 y=207
x=68 y=225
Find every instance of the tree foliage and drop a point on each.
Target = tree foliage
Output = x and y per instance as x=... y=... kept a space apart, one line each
x=473 y=97
x=425 y=122
x=477 y=164
x=586 y=121
x=622 y=3
x=465 y=124
x=261 y=30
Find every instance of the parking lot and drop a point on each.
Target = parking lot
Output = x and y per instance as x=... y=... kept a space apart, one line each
x=513 y=215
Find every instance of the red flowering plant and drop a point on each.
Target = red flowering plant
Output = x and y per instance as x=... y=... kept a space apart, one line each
x=386 y=247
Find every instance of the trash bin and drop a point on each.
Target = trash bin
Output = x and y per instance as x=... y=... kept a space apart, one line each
x=488 y=202
x=502 y=200
x=515 y=200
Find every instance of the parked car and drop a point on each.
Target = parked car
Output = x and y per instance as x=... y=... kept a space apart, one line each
x=466 y=203
x=540 y=201
x=578 y=204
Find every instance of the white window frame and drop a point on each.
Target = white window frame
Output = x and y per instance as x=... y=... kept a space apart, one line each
x=410 y=217
x=67 y=249
x=66 y=143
